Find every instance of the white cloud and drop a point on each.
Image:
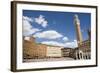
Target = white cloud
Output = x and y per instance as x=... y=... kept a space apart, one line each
x=27 y=27
x=27 y=19
x=50 y=34
x=72 y=44
x=54 y=43
x=65 y=39
x=44 y=23
x=41 y=21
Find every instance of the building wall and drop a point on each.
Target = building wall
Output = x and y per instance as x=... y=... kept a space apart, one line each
x=29 y=49
x=85 y=46
x=86 y=49
x=68 y=52
x=83 y=51
x=54 y=51
x=34 y=50
x=41 y=50
x=65 y=52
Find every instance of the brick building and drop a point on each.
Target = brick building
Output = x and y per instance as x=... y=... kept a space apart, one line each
x=29 y=48
x=41 y=50
x=32 y=50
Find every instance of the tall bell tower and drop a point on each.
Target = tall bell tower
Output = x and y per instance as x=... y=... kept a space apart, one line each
x=78 y=30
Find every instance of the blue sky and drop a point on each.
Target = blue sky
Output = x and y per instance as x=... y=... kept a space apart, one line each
x=54 y=28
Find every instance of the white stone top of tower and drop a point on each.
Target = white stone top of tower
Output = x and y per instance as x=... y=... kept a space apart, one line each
x=76 y=19
x=76 y=16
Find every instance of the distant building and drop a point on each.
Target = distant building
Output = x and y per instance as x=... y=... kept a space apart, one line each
x=66 y=52
x=69 y=52
x=54 y=51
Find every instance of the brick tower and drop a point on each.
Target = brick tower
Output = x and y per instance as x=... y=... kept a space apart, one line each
x=78 y=30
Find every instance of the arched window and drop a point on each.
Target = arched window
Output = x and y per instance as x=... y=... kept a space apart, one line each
x=78 y=56
x=81 y=56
